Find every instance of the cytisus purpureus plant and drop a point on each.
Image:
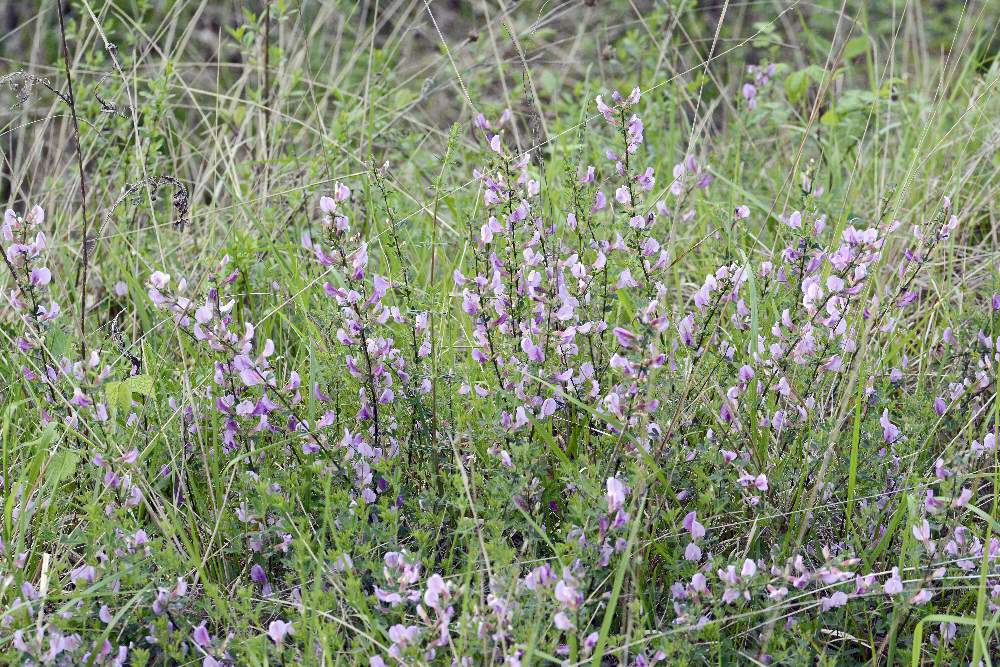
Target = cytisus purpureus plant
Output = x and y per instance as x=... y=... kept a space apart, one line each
x=700 y=372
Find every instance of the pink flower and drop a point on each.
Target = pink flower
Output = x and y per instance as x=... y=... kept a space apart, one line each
x=277 y=631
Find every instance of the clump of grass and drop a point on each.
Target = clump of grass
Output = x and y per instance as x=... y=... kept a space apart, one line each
x=701 y=372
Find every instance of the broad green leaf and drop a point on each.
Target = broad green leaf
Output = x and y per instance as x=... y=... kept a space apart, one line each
x=830 y=118
x=141 y=384
x=60 y=466
x=796 y=85
x=855 y=48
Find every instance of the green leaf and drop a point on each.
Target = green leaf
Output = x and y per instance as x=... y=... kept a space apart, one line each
x=60 y=466
x=119 y=395
x=58 y=342
x=855 y=47
x=797 y=85
x=697 y=82
x=141 y=384
x=830 y=118
x=816 y=73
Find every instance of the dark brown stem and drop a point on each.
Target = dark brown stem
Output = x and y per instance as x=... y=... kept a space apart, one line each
x=81 y=276
x=267 y=93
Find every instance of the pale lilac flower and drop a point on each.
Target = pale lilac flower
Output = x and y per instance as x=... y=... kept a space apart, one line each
x=893 y=585
x=40 y=276
x=692 y=525
x=890 y=432
x=838 y=599
x=616 y=494
x=437 y=590
x=278 y=630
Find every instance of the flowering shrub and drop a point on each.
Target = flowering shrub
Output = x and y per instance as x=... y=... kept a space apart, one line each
x=641 y=405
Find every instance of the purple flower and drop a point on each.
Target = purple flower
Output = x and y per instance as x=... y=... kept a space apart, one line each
x=922 y=533
x=257 y=574
x=600 y=201
x=623 y=196
x=625 y=338
x=890 y=432
x=40 y=276
x=562 y=621
x=201 y=637
x=83 y=574
x=105 y=614
x=692 y=552
x=159 y=279
x=692 y=525
x=604 y=109
x=646 y=179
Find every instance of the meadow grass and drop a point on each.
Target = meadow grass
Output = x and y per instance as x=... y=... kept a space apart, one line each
x=356 y=361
